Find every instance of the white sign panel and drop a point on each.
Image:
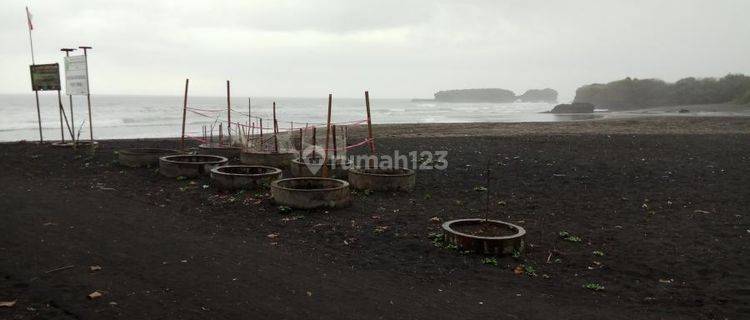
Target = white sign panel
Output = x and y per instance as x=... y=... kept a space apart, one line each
x=76 y=82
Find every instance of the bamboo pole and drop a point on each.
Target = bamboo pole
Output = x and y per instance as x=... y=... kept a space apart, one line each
x=184 y=115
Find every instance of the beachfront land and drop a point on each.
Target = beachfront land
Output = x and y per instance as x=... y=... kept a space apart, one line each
x=637 y=218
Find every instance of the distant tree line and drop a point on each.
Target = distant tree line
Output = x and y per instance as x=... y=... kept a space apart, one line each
x=641 y=93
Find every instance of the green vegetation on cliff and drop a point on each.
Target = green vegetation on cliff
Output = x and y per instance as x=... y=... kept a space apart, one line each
x=642 y=93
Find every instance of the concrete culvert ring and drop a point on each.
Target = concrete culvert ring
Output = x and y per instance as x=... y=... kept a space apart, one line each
x=189 y=165
x=143 y=157
x=382 y=179
x=243 y=177
x=265 y=158
x=337 y=169
x=219 y=150
x=485 y=236
x=311 y=193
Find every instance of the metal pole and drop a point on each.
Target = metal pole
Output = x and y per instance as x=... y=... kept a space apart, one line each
x=184 y=115
x=70 y=104
x=62 y=132
x=31 y=40
x=88 y=94
x=59 y=109
x=38 y=116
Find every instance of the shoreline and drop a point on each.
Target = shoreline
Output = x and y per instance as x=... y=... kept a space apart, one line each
x=639 y=125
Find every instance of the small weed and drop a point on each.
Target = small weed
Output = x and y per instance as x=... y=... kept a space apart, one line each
x=180 y=178
x=380 y=229
x=598 y=253
x=593 y=286
x=480 y=188
x=530 y=270
x=516 y=254
x=567 y=236
x=427 y=196
x=284 y=209
x=492 y=261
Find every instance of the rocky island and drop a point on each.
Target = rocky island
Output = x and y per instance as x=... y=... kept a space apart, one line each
x=496 y=95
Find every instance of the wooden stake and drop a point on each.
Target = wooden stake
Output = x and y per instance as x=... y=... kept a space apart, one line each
x=275 y=130
x=314 y=140
x=369 y=122
x=229 y=116
x=333 y=134
x=184 y=115
x=300 y=144
x=261 y=134
x=328 y=130
x=221 y=134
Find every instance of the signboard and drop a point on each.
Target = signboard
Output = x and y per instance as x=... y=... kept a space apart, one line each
x=76 y=75
x=45 y=77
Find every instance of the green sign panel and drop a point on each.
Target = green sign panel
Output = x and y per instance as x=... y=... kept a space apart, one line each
x=45 y=77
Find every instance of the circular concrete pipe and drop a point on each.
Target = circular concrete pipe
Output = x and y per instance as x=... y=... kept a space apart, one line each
x=485 y=236
x=337 y=169
x=243 y=177
x=382 y=179
x=266 y=158
x=311 y=193
x=189 y=165
x=143 y=157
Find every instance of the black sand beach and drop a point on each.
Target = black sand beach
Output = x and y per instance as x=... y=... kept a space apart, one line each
x=662 y=201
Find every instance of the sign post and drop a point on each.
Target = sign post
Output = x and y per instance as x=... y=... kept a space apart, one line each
x=44 y=77
x=70 y=96
x=88 y=93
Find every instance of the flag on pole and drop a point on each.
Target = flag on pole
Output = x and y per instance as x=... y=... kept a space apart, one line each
x=28 y=19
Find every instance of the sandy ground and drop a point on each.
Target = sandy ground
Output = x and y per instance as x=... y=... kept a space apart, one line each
x=644 y=124
x=663 y=203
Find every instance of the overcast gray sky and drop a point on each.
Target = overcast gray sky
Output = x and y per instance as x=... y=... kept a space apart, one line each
x=404 y=48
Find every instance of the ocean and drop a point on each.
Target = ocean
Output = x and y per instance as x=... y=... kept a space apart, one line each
x=120 y=116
